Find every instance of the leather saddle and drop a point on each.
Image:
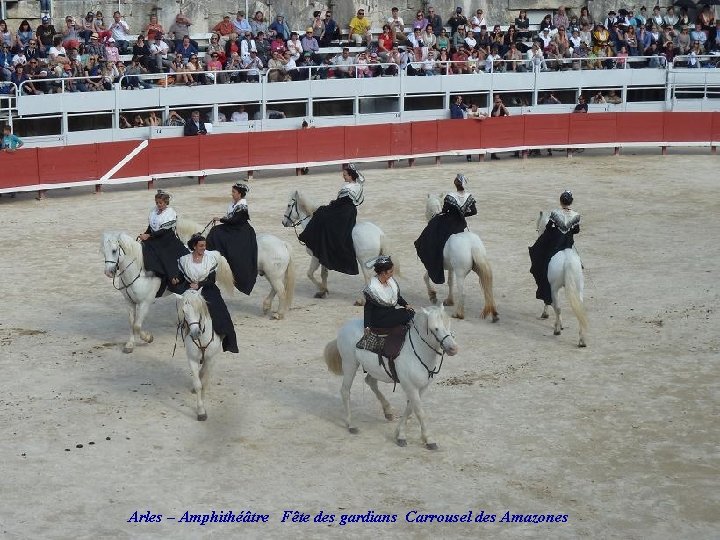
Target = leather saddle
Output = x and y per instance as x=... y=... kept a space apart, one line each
x=386 y=343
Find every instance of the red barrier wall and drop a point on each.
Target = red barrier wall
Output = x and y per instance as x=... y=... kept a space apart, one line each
x=31 y=167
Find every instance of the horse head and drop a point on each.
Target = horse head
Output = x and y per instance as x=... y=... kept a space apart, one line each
x=193 y=310
x=298 y=210
x=110 y=249
x=433 y=205
x=438 y=328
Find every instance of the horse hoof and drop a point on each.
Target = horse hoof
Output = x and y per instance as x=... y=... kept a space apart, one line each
x=389 y=416
x=431 y=446
x=276 y=316
x=495 y=318
x=354 y=430
x=402 y=443
x=556 y=333
x=449 y=302
x=321 y=294
x=458 y=316
x=544 y=316
x=582 y=344
x=359 y=303
x=127 y=349
x=202 y=417
x=147 y=337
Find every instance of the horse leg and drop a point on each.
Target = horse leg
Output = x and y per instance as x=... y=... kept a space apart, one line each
x=204 y=372
x=348 y=378
x=322 y=288
x=366 y=276
x=387 y=409
x=276 y=287
x=556 y=307
x=130 y=343
x=140 y=313
x=450 y=300
x=459 y=283
x=415 y=397
x=197 y=389
x=432 y=293
x=544 y=314
x=400 y=437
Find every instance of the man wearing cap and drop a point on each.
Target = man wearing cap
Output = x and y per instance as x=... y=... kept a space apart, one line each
x=120 y=32
x=95 y=48
x=308 y=42
x=359 y=28
x=45 y=32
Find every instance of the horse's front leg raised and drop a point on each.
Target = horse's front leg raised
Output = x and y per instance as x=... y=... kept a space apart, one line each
x=387 y=409
x=432 y=293
x=321 y=285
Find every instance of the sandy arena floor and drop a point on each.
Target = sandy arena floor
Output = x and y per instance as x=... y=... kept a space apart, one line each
x=622 y=437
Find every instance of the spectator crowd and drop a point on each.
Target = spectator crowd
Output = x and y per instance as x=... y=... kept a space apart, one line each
x=93 y=54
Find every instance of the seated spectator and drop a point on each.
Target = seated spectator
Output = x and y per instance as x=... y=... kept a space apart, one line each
x=613 y=98
x=458 y=38
x=385 y=42
x=415 y=38
x=22 y=81
x=332 y=31
x=396 y=24
x=71 y=34
x=277 y=44
x=522 y=24
x=443 y=40
x=100 y=27
x=582 y=106
x=579 y=54
x=159 y=52
x=224 y=28
x=141 y=51
x=698 y=35
x=622 y=56
x=545 y=38
x=94 y=79
x=706 y=18
x=276 y=67
x=484 y=41
x=124 y=124
x=179 y=71
x=23 y=35
x=138 y=121
x=193 y=126
x=693 y=60
x=86 y=27
x=536 y=59
x=561 y=19
x=478 y=21
x=344 y=64
x=254 y=65
x=547 y=23
x=456 y=21
x=561 y=40
x=294 y=47
x=232 y=45
x=181 y=28
x=282 y=30
x=57 y=53
x=429 y=37
x=308 y=42
x=175 y=120
x=290 y=66
x=513 y=59
x=233 y=73
x=185 y=48
x=362 y=70
x=111 y=51
x=215 y=47
x=133 y=73
x=359 y=29
x=258 y=24
x=120 y=31
x=153 y=28
x=95 y=48
x=10 y=142
x=684 y=43
x=458 y=108
x=494 y=62
x=263 y=48
x=460 y=64
x=434 y=20
x=195 y=66
x=598 y=99
x=45 y=32
x=420 y=21
x=240 y=115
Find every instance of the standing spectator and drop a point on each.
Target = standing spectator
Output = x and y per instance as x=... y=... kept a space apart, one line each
x=240 y=115
x=458 y=109
x=181 y=28
x=498 y=110
x=435 y=21
x=87 y=27
x=120 y=32
x=10 y=141
x=241 y=24
x=317 y=24
x=561 y=18
x=396 y=23
x=457 y=20
x=194 y=126
x=359 y=28
x=477 y=22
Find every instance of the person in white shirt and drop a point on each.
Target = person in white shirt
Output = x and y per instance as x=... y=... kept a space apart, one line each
x=344 y=64
x=120 y=31
x=240 y=115
x=253 y=64
x=159 y=50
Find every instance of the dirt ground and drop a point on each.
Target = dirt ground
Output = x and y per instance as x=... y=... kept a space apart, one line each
x=621 y=437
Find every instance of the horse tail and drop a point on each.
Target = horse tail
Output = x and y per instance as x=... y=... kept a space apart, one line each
x=386 y=250
x=225 y=276
x=185 y=228
x=333 y=358
x=572 y=290
x=481 y=267
x=289 y=279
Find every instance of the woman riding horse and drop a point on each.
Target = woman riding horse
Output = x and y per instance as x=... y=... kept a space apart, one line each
x=559 y=233
x=328 y=234
x=382 y=298
x=198 y=271
x=451 y=220
x=235 y=240
x=160 y=245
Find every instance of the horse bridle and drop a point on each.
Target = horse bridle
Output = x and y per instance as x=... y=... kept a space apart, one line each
x=293 y=207
x=431 y=372
x=183 y=327
x=116 y=275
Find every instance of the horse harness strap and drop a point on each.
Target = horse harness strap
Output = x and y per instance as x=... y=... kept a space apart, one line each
x=392 y=372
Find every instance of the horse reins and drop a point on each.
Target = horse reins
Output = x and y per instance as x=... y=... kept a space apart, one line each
x=295 y=224
x=125 y=286
x=431 y=373
x=184 y=325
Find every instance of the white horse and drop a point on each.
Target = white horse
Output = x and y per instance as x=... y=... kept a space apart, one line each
x=201 y=342
x=565 y=270
x=124 y=264
x=427 y=340
x=275 y=262
x=463 y=252
x=368 y=241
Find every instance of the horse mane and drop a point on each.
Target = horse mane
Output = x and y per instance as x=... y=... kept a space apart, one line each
x=185 y=228
x=132 y=248
x=196 y=300
x=225 y=276
x=304 y=202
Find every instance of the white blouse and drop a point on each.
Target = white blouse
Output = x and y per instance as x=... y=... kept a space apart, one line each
x=162 y=220
x=199 y=271
x=384 y=294
x=353 y=190
x=235 y=206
